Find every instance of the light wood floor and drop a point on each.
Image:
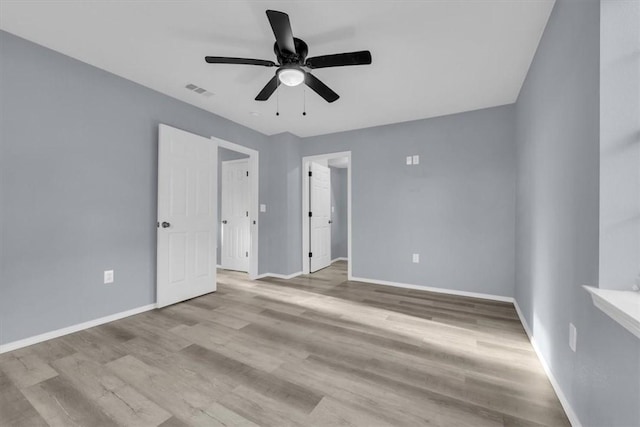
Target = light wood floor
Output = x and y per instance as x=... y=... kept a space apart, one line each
x=315 y=350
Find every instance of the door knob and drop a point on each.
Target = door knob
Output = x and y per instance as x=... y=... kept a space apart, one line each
x=224 y=221
x=165 y=224
x=330 y=221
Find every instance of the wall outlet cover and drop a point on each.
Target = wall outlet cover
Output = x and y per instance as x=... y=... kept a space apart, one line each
x=416 y=258
x=416 y=159
x=409 y=160
x=108 y=276
x=263 y=208
x=573 y=337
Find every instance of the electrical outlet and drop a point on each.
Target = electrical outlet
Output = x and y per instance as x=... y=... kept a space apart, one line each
x=416 y=159
x=416 y=258
x=409 y=160
x=108 y=276
x=573 y=337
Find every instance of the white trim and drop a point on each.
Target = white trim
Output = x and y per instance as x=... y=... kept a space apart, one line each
x=573 y=417
x=305 y=206
x=74 y=328
x=254 y=187
x=621 y=306
x=342 y=258
x=279 y=276
x=431 y=289
x=230 y=162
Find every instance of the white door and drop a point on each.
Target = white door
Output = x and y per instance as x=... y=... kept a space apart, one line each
x=320 y=220
x=236 y=237
x=187 y=190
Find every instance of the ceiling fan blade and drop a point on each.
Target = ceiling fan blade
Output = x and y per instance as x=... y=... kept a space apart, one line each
x=268 y=90
x=320 y=88
x=282 y=30
x=245 y=61
x=362 y=57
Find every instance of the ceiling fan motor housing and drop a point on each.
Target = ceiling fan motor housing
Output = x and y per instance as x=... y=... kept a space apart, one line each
x=286 y=58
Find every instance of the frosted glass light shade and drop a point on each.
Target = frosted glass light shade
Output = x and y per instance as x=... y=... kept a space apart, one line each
x=291 y=76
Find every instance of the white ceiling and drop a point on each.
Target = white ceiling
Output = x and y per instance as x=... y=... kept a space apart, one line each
x=430 y=58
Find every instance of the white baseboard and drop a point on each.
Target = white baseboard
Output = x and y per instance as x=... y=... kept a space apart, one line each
x=430 y=289
x=4 y=348
x=573 y=417
x=342 y=258
x=279 y=276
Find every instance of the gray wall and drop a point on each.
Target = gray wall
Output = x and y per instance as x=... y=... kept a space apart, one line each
x=78 y=188
x=223 y=156
x=456 y=208
x=619 y=143
x=557 y=221
x=284 y=216
x=339 y=225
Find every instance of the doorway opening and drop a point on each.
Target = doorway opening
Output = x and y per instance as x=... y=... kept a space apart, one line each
x=326 y=211
x=238 y=183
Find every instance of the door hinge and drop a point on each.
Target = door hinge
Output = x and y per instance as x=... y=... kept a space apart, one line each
x=247 y=173
x=247 y=254
x=247 y=213
x=310 y=254
x=310 y=214
x=310 y=174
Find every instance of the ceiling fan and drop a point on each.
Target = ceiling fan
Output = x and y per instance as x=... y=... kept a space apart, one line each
x=291 y=53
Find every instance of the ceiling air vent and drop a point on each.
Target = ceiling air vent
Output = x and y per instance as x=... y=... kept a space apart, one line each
x=199 y=90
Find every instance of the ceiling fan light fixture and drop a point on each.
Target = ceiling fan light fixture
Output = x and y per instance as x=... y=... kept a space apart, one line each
x=291 y=76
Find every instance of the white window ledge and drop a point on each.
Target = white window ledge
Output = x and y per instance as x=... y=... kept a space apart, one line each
x=621 y=306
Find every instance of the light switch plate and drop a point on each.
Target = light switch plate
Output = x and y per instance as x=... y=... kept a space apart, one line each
x=108 y=276
x=416 y=258
x=573 y=337
x=416 y=159
x=409 y=160
x=263 y=208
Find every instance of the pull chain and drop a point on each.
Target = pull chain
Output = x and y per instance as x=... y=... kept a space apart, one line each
x=277 y=100
x=304 y=101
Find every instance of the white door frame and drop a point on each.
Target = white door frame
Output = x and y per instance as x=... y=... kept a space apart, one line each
x=305 y=207
x=254 y=185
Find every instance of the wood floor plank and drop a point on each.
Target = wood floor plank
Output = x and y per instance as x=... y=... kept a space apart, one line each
x=48 y=351
x=15 y=409
x=331 y=412
x=115 y=397
x=218 y=415
x=169 y=392
x=62 y=405
x=316 y=350
x=26 y=369
x=285 y=392
x=201 y=379
x=261 y=409
x=96 y=346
